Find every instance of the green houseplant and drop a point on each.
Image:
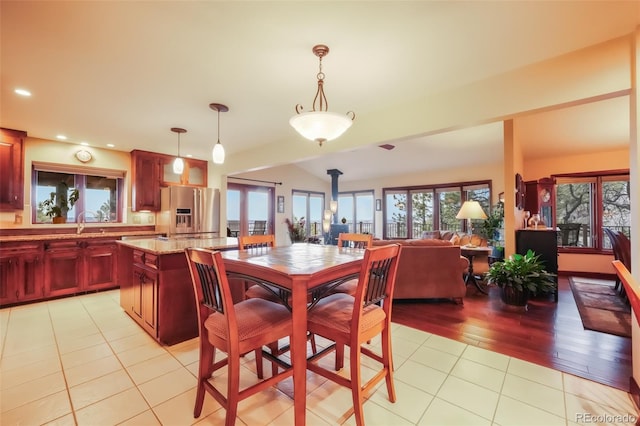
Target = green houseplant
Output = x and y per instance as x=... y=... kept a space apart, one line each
x=490 y=229
x=519 y=276
x=59 y=203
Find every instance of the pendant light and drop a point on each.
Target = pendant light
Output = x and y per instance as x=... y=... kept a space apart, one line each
x=178 y=163
x=319 y=124
x=218 y=149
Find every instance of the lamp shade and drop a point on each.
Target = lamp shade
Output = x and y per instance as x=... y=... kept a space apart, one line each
x=218 y=153
x=333 y=206
x=178 y=166
x=471 y=210
x=320 y=126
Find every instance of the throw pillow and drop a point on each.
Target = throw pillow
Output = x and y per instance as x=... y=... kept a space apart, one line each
x=455 y=240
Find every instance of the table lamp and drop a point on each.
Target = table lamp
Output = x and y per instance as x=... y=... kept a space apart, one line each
x=471 y=210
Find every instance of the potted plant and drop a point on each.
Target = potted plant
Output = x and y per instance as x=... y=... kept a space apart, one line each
x=59 y=203
x=296 y=229
x=490 y=229
x=519 y=276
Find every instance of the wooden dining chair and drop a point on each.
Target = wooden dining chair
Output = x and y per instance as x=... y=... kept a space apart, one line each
x=265 y=291
x=234 y=329
x=259 y=242
x=357 y=241
x=353 y=321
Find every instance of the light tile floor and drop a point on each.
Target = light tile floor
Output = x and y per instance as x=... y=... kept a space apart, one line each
x=83 y=361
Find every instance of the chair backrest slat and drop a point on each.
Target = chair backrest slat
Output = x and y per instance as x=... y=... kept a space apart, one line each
x=247 y=242
x=354 y=240
x=377 y=278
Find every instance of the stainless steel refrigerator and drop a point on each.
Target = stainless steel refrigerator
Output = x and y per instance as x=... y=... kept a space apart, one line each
x=189 y=212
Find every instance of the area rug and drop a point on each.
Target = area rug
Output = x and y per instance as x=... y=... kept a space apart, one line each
x=601 y=308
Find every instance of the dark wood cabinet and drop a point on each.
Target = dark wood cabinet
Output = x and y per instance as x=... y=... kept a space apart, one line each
x=21 y=272
x=156 y=291
x=540 y=196
x=544 y=244
x=145 y=181
x=194 y=174
x=74 y=266
x=12 y=166
x=151 y=171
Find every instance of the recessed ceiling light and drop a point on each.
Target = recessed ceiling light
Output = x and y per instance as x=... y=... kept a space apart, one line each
x=84 y=143
x=189 y=155
x=110 y=145
x=62 y=137
x=22 y=92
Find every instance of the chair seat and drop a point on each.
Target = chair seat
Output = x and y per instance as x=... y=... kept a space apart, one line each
x=256 y=317
x=335 y=312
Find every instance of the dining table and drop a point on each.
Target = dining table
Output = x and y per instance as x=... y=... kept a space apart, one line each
x=301 y=270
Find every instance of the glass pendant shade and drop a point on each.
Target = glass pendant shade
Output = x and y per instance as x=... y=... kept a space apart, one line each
x=333 y=206
x=178 y=163
x=218 y=153
x=178 y=166
x=218 y=149
x=320 y=126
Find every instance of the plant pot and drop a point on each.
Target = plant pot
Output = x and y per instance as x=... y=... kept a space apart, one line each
x=512 y=296
x=59 y=219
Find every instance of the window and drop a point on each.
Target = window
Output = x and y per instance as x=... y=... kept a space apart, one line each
x=408 y=212
x=586 y=203
x=99 y=193
x=250 y=209
x=357 y=208
x=310 y=206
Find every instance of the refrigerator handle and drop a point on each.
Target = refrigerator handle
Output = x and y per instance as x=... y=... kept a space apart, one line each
x=197 y=201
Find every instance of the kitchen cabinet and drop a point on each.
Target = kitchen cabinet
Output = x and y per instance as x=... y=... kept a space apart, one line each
x=194 y=173
x=145 y=181
x=12 y=166
x=156 y=291
x=21 y=272
x=151 y=171
x=542 y=242
x=74 y=266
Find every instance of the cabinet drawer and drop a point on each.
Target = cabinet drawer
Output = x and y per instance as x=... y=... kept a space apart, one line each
x=151 y=260
x=138 y=257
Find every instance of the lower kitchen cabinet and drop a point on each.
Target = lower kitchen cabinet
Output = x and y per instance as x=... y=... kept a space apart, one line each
x=21 y=272
x=156 y=291
x=74 y=266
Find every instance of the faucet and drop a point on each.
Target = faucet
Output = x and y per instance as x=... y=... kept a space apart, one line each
x=81 y=223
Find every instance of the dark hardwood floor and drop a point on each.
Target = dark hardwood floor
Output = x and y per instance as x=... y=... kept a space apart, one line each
x=547 y=334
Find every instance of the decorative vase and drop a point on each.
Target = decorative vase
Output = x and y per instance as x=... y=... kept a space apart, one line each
x=514 y=297
x=59 y=219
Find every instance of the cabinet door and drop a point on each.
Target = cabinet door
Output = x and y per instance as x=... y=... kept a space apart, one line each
x=8 y=279
x=194 y=173
x=64 y=269
x=101 y=262
x=543 y=243
x=145 y=289
x=11 y=164
x=145 y=186
x=31 y=276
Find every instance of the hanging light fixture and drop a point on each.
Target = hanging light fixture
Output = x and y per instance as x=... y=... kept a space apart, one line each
x=319 y=124
x=218 y=149
x=178 y=163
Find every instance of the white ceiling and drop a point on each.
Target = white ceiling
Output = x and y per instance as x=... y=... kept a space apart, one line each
x=125 y=72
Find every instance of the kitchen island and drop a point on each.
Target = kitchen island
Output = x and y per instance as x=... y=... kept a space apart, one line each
x=155 y=285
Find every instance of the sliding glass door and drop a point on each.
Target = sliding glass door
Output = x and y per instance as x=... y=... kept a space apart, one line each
x=250 y=210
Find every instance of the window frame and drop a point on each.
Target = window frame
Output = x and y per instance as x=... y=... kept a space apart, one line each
x=597 y=178
x=353 y=217
x=462 y=187
x=80 y=174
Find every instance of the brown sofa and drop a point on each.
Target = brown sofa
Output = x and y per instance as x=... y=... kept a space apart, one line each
x=429 y=269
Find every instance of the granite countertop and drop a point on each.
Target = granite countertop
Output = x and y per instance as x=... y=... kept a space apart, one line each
x=74 y=236
x=177 y=245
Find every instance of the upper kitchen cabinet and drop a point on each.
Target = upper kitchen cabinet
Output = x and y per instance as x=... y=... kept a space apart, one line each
x=151 y=171
x=145 y=181
x=12 y=164
x=194 y=173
